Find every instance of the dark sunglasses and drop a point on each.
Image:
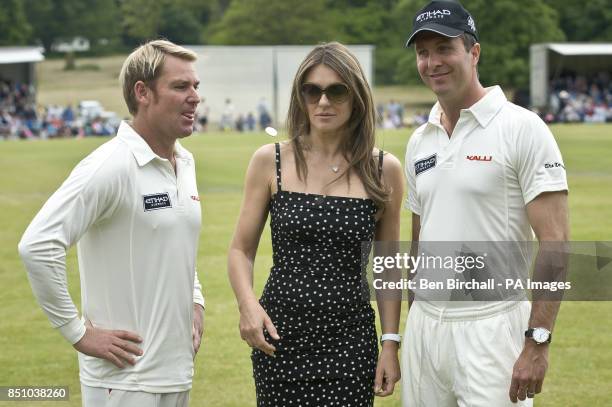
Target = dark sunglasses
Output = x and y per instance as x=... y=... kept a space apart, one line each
x=336 y=93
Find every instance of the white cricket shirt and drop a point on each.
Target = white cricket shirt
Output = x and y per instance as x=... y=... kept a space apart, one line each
x=474 y=186
x=136 y=224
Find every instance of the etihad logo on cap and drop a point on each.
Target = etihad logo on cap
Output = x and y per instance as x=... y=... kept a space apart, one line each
x=471 y=23
x=428 y=15
x=156 y=201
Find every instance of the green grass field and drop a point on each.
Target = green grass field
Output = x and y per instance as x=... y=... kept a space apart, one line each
x=32 y=353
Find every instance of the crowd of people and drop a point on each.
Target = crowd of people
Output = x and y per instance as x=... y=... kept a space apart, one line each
x=573 y=98
x=576 y=98
x=22 y=118
x=230 y=121
x=393 y=116
x=389 y=116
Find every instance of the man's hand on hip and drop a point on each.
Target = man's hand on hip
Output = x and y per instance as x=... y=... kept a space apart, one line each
x=116 y=346
x=198 y=327
x=529 y=370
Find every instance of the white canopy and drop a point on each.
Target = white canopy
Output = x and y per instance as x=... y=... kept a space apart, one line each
x=549 y=59
x=577 y=48
x=16 y=55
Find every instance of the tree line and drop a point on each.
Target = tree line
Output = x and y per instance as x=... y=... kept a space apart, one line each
x=506 y=27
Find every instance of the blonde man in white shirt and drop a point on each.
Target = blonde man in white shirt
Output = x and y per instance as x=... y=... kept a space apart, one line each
x=480 y=170
x=132 y=207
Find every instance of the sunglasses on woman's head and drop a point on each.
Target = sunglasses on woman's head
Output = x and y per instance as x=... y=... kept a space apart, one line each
x=336 y=93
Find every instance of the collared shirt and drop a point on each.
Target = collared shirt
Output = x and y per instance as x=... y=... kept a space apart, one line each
x=475 y=185
x=136 y=224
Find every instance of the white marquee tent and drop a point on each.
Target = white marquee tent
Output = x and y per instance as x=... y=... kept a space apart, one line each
x=548 y=60
x=17 y=63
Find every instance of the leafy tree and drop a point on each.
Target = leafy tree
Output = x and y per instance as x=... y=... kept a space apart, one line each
x=266 y=22
x=40 y=15
x=181 y=21
x=370 y=22
x=585 y=21
x=180 y=26
x=141 y=20
x=54 y=19
x=507 y=29
x=14 y=27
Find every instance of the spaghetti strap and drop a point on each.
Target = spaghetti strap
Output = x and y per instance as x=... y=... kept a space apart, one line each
x=380 y=162
x=278 y=167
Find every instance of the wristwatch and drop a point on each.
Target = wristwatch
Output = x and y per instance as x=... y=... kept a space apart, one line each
x=539 y=335
x=391 y=337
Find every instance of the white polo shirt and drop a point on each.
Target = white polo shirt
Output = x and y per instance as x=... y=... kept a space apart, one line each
x=136 y=224
x=474 y=186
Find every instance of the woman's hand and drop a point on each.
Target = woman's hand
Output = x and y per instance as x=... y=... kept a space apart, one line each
x=387 y=369
x=253 y=320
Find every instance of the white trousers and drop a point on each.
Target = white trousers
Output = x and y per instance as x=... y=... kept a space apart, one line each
x=462 y=359
x=101 y=397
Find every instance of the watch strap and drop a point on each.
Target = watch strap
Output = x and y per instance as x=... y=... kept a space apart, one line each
x=391 y=337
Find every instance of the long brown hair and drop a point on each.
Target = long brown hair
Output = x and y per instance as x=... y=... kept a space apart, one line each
x=358 y=145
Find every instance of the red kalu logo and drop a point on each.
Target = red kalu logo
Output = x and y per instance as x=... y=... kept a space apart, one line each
x=479 y=157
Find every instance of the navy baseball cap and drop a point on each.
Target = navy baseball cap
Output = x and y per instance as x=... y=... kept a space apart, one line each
x=447 y=18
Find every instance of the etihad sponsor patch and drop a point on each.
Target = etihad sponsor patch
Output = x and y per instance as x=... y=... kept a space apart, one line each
x=156 y=201
x=425 y=164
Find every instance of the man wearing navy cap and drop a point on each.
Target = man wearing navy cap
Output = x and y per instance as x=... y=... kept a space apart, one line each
x=480 y=170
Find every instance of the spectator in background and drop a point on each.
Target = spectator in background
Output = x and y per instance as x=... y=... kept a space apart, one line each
x=227 y=117
x=240 y=123
x=250 y=122
x=388 y=123
x=202 y=114
x=380 y=114
x=68 y=115
x=264 y=114
x=6 y=124
x=420 y=118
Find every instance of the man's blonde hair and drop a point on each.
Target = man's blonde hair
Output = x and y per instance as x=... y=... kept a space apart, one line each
x=145 y=64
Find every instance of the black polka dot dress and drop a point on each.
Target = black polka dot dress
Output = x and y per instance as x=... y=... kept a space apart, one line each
x=318 y=299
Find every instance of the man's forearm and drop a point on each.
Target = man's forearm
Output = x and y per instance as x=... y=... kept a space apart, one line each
x=550 y=266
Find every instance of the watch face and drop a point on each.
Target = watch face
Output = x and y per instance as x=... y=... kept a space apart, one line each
x=540 y=335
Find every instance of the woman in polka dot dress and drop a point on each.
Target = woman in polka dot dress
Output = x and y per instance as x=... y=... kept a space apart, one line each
x=327 y=190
